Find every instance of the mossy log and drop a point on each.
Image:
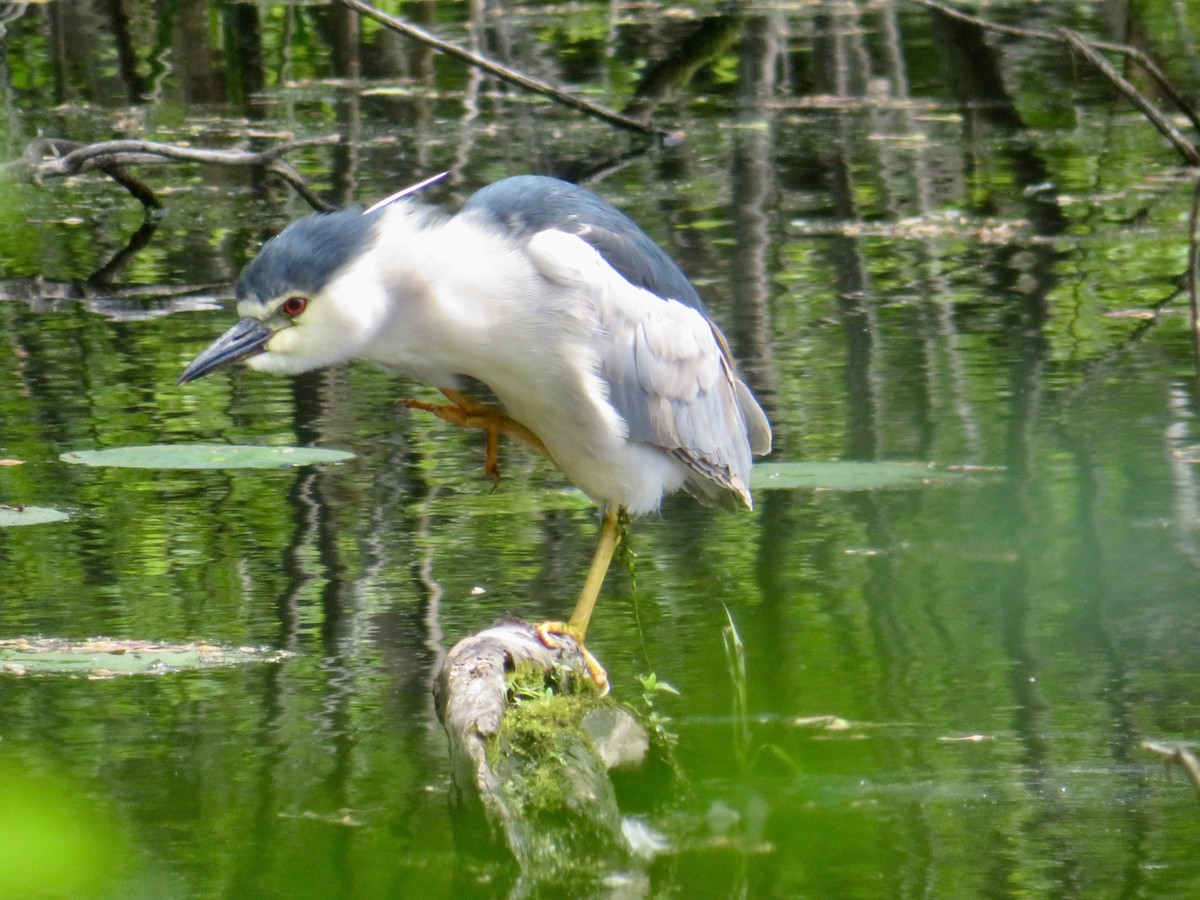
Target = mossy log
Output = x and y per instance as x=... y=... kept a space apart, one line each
x=533 y=746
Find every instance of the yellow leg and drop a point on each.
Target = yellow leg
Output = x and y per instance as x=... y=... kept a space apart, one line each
x=610 y=535
x=468 y=413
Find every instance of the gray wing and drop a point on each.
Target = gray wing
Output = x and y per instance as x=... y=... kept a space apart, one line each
x=667 y=369
x=524 y=205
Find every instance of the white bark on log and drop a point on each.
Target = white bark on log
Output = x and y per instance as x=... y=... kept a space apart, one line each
x=545 y=793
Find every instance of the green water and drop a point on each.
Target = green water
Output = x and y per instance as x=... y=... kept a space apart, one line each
x=907 y=269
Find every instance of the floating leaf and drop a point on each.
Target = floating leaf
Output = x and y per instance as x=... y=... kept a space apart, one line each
x=844 y=475
x=29 y=515
x=205 y=456
x=101 y=658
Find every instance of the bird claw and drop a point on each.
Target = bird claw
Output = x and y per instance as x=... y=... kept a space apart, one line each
x=468 y=414
x=549 y=632
x=491 y=463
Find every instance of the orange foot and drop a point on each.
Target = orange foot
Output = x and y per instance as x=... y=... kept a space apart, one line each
x=548 y=633
x=468 y=413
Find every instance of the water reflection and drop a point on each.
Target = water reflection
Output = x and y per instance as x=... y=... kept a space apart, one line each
x=923 y=243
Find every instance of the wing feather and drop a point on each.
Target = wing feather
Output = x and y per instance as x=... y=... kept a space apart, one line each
x=524 y=205
x=667 y=368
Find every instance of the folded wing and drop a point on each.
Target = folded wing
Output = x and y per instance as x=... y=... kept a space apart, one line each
x=667 y=370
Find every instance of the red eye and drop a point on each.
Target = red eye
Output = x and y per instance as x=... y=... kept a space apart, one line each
x=293 y=306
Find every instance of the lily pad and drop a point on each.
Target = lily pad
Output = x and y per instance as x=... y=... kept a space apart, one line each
x=205 y=456
x=845 y=475
x=100 y=658
x=11 y=516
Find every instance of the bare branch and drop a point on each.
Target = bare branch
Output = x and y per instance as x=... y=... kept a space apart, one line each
x=953 y=13
x=1133 y=95
x=502 y=72
x=57 y=157
x=85 y=156
x=1091 y=51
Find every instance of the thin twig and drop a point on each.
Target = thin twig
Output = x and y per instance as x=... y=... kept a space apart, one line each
x=1011 y=30
x=1157 y=75
x=1091 y=49
x=502 y=72
x=1092 y=52
x=1133 y=95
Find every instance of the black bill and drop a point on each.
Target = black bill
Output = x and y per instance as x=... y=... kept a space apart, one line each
x=246 y=338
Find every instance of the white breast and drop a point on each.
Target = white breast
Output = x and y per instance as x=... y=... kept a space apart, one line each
x=526 y=321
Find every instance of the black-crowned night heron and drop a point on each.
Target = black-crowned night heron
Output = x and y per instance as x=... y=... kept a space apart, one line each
x=595 y=343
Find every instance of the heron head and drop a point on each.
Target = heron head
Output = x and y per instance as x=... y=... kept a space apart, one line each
x=305 y=301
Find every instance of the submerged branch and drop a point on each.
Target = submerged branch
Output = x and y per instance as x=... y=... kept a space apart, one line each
x=58 y=157
x=85 y=156
x=537 y=86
